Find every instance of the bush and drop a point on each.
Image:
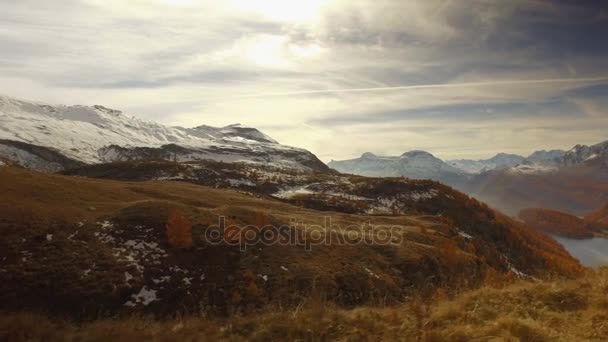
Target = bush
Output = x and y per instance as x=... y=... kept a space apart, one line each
x=179 y=230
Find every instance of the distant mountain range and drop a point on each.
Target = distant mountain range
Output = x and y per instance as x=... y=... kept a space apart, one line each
x=55 y=137
x=573 y=181
x=412 y=164
x=422 y=164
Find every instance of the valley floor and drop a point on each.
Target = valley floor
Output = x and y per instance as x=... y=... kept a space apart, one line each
x=573 y=310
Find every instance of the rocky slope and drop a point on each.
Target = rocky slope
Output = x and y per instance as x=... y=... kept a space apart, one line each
x=94 y=134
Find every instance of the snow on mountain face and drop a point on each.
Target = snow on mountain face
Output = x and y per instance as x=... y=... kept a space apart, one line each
x=580 y=154
x=93 y=134
x=532 y=169
x=543 y=156
x=412 y=164
x=501 y=160
x=236 y=132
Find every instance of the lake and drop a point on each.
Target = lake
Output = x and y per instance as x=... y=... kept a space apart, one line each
x=590 y=252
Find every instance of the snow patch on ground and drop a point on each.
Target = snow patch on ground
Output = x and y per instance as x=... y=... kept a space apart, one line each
x=465 y=235
x=163 y=279
x=240 y=182
x=144 y=297
x=371 y=273
x=289 y=193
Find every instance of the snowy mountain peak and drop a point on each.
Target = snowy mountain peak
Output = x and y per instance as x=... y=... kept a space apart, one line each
x=582 y=153
x=93 y=134
x=413 y=164
x=238 y=130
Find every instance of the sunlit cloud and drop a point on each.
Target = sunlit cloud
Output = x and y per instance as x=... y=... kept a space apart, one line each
x=337 y=77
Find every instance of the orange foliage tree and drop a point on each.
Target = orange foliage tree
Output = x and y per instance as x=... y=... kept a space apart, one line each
x=179 y=230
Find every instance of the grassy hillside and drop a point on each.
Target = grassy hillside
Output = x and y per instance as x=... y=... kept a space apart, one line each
x=556 y=222
x=575 y=310
x=90 y=248
x=566 y=225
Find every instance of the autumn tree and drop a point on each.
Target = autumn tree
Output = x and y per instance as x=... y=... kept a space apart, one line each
x=449 y=253
x=179 y=230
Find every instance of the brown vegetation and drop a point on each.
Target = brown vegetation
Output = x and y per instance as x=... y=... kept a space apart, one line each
x=558 y=310
x=63 y=237
x=179 y=230
x=555 y=222
x=598 y=220
x=559 y=223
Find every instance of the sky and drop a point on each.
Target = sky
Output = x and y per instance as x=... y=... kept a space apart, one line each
x=460 y=79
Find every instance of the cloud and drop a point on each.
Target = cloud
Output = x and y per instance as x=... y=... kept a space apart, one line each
x=337 y=77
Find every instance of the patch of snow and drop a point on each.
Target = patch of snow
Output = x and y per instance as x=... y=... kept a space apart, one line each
x=371 y=273
x=532 y=169
x=289 y=193
x=465 y=235
x=187 y=281
x=164 y=279
x=49 y=237
x=417 y=196
x=179 y=176
x=144 y=297
x=593 y=156
x=240 y=182
x=284 y=268
x=177 y=269
x=347 y=196
x=106 y=224
x=265 y=277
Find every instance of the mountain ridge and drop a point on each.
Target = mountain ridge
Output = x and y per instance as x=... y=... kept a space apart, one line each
x=89 y=133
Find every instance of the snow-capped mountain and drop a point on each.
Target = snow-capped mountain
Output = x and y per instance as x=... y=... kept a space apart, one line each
x=500 y=160
x=543 y=156
x=581 y=154
x=94 y=134
x=412 y=164
x=572 y=181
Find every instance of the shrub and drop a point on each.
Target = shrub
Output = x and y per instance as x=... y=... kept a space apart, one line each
x=179 y=230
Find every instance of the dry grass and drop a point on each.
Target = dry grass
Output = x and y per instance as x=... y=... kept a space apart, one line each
x=78 y=275
x=574 y=310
